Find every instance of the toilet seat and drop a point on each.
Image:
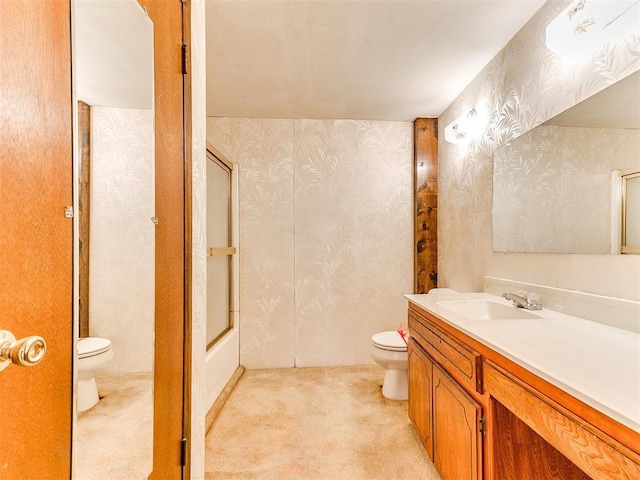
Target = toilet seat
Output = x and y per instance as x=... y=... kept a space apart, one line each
x=92 y=346
x=391 y=341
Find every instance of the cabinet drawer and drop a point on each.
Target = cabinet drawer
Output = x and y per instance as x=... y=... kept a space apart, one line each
x=461 y=362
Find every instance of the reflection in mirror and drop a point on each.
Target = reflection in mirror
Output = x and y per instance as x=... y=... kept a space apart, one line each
x=552 y=186
x=630 y=241
x=113 y=87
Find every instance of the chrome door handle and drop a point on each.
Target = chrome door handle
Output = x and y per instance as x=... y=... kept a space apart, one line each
x=25 y=352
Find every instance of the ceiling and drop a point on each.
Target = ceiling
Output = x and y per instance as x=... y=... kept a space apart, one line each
x=356 y=59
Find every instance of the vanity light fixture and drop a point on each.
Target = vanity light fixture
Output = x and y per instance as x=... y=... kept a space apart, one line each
x=467 y=127
x=586 y=25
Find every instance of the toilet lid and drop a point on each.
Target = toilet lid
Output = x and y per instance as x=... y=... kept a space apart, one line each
x=90 y=346
x=389 y=341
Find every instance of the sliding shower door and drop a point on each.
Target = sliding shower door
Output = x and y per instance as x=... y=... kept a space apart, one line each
x=219 y=249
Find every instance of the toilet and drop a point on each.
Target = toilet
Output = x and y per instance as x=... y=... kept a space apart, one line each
x=390 y=352
x=94 y=354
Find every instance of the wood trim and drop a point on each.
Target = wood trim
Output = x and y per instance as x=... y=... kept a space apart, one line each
x=583 y=445
x=188 y=235
x=519 y=453
x=84 y=213
x=426 y=204
x=171 y=372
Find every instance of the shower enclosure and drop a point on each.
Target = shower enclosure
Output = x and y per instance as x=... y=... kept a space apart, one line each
x=223 y=345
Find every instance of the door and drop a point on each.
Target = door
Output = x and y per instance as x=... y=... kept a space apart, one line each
x=220 y=249
x=456 y=430
x=420 y=401
x=35 y=237
x=172 y=355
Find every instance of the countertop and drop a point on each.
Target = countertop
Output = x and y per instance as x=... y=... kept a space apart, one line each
x=595 y=363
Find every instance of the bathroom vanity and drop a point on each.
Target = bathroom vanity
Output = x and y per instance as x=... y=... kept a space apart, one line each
x=498 y=392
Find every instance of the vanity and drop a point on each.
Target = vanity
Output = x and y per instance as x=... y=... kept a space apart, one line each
x=499 y=392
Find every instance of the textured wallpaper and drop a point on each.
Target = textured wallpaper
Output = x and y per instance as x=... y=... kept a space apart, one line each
x=552 y=188
x=325 y=235
x=122 y=253
x=199 y=238
x=522 y=87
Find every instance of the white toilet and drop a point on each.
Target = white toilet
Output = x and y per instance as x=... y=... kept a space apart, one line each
x=94 y=353
x=390 y=352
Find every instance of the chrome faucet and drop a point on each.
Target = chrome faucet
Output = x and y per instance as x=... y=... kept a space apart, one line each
x=530 y=301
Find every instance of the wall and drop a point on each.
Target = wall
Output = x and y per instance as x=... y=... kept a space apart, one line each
x=552 y=188
x=122 y=253
x=325 y=235
x=523 y=86
x=198 y=407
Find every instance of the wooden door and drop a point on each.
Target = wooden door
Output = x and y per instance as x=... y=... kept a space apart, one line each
x=173 y=283
x=456 y=430
x=35 y=237
x=420 y=401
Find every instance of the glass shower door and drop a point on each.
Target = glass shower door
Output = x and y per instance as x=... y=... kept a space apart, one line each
x=220 y=249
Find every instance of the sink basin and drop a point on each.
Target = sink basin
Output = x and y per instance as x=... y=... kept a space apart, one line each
x=486 y=310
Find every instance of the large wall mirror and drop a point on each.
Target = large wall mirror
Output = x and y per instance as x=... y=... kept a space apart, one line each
x=113 y=80
x=558 y=187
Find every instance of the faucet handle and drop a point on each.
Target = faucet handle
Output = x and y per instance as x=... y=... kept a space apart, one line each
x=533 y=299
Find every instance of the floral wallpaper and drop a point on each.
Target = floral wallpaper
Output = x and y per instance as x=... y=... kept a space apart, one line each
x=522 y=87
x=552 y=188
x=199 y=238
x=122 y=252
x=325 y=235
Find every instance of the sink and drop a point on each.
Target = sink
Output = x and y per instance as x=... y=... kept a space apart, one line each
x=486 y=310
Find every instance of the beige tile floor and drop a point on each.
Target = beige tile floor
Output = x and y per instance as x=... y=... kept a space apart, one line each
x=114 y=438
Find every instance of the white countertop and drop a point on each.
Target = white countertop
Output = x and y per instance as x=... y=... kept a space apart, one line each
x=595 y=363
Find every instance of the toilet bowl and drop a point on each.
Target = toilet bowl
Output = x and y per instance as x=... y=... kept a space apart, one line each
x=94 y=353
x=389 y=350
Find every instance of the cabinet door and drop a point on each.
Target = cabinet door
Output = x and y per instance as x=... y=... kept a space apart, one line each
x=420 y=381
x=456 y=430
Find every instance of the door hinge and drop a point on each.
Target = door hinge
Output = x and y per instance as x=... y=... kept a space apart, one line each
x=482 y=426
x=185 y=60
x=68 y=212
x=183 y=452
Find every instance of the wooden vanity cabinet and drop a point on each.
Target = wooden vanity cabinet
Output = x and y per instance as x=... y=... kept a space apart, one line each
x=560 y=437
x=420 y=387
x=447 y=419
x=480 y=415
x=457 y=424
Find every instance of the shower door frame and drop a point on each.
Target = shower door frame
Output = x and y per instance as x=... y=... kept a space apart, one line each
x=229 y=250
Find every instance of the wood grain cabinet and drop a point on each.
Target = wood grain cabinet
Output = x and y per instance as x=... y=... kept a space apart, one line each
x=420 y=386
x=456 y=430
x=482 y=416
x=446 y=418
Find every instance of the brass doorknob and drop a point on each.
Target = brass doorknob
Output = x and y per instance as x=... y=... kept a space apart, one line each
x=25 y=352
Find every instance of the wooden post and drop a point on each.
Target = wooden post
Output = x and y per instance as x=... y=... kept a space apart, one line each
x=84 y=213
x=426 y=204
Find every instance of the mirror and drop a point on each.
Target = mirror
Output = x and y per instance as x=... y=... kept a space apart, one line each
x=115 y=166
x=552 y=186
